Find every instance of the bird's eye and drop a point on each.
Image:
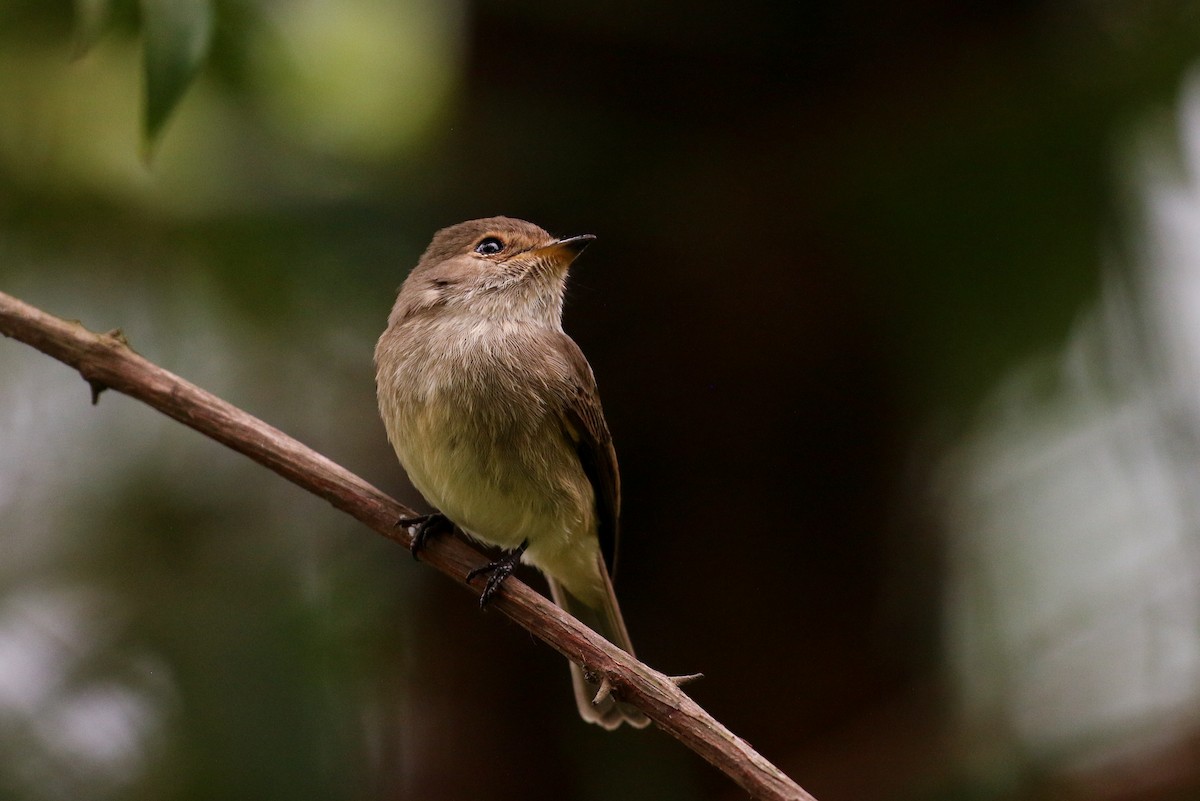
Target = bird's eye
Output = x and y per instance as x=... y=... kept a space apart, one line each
x=489 y=246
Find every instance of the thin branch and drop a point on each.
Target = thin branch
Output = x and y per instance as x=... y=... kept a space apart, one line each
x=107 y=362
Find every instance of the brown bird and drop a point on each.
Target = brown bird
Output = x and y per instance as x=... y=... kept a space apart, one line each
x=494 y=414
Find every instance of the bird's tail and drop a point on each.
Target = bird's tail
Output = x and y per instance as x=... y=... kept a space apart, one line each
x=605 y=619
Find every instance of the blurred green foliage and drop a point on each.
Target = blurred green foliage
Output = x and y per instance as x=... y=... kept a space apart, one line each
x=176 y=35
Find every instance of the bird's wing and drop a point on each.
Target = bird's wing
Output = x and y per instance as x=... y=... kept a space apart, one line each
x=583 y=422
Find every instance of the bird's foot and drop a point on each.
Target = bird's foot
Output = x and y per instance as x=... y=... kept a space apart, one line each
x=496 y=572
x=427 y=527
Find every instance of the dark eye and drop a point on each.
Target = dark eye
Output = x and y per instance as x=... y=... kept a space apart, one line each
x=489 y=246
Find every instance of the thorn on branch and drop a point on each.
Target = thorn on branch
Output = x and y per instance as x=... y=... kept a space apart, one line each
x=679 y=681
x=97 y=388
x=118 y=335
x=603 y=693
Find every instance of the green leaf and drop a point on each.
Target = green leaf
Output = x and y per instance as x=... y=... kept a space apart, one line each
x=91 y=20
x=177 y=35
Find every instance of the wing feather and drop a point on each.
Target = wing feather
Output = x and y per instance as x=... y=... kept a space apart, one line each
x=583 y=421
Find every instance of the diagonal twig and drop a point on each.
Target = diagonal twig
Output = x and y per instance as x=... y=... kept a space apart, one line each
x=107 y=362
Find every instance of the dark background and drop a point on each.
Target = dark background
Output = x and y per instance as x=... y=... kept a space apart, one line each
x=826 y=234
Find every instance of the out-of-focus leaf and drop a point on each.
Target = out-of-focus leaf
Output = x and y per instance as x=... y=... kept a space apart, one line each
x=177 y=35
x=91 y=19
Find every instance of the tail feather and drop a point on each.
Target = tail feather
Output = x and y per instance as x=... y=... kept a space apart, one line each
x=606 y=621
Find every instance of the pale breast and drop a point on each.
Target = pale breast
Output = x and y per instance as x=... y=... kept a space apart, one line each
x=479 y=436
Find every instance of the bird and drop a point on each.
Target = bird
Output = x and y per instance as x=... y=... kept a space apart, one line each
x=493 y=412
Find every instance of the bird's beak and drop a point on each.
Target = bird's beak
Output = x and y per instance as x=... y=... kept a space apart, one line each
x=561 y=252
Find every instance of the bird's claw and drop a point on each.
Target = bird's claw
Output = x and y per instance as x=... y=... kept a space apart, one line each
x=496 y=572
x=425 y=528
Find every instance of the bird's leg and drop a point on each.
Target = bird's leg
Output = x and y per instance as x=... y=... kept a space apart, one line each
x=499 y=571
x=427 y=526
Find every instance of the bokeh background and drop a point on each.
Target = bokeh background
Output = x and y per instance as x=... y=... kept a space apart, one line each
x=895 y=311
